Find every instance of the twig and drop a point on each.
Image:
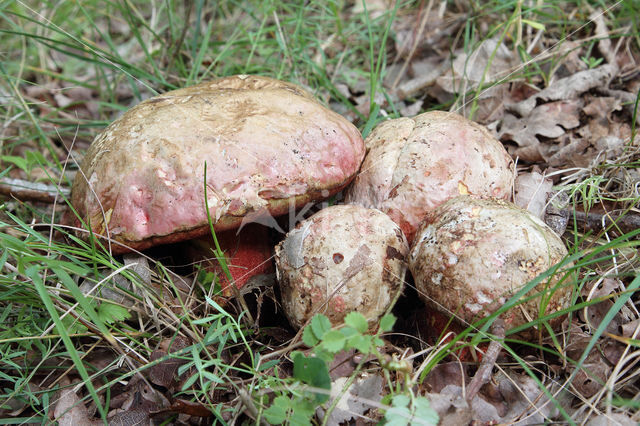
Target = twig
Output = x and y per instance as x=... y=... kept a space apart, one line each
x=250 y=406
x=25 y=190
x=414 y=46
x=594 y=221
x=488 y=361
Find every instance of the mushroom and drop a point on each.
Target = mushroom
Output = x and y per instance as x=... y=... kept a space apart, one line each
x=344 y=258
x=415 y=164
x=472 y=254
x=268 y=145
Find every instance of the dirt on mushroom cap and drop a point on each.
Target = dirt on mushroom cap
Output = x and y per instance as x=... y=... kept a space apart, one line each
x=343 y=258
x=472 y=254
x=269 y=147
x=415 y=164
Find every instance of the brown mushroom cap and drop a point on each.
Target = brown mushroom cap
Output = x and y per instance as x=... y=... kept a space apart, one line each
x=472 y=254
x=269 y=147
x=415 y=164
x=344 y=258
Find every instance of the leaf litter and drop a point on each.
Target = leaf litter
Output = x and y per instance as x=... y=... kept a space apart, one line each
x=580 y=118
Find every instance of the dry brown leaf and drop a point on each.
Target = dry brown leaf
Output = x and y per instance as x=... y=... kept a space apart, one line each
x=594 y=314
x=604 y=39
x=436 y=29
x=16 y=404
x=532 y=191
x=549 y=120
x=489 y=62
x=630 y=329
x=594 y=371
x=568 y=53
x=525 y=400
x=614 y=419
x=165 y=372
x=182 y=406
x=568 y=88
x=601 y=106
x=451 y=407
x=70 y=410
x=356 y=400
x=343 y=364
x=573 y=152
x=590 y=379
x=446 y=373
x=490 y=110
x=422 y=73
x=142 y=403
x=507 y=398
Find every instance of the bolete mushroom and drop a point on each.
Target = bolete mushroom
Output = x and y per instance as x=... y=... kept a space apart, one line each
x=268 y=145
x=415 y=164
x=472 y=254
x=344 y=258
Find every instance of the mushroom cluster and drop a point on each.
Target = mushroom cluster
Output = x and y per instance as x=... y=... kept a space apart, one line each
x=415 y=164
x=429 y=193
x=269 y=148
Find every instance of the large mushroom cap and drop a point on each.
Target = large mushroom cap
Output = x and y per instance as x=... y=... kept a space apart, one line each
x=415 y=164
x=268 y=145
x=344 y=258
x=471 y=255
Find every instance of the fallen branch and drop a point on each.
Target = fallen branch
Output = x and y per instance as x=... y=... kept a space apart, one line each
x=483 y=374
x=594 y=221
x=25 y=190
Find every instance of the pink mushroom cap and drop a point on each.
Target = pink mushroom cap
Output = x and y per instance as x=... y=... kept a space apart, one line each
x=268 y=145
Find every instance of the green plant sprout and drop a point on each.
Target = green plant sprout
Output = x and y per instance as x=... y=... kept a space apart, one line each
x=312 y=383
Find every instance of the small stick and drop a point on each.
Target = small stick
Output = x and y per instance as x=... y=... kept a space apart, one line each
x=25 y=190
x=246 y=400
x=595 y=221
x=488 y=361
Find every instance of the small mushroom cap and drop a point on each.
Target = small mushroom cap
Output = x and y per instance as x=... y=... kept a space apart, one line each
x=415 y=164
x=268 y=145
x=471 y=255
x=344 y=258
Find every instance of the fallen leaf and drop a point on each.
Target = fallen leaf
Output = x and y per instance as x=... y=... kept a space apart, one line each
x=594 y=371
x=629 y=329
x=568 y=54
x=488 y=63
x=573 y=152
x=451 y=407
x=142 y=403
x=446 y=373
x=590 y=379
x=14 y=405
x=594 y=314
x=436 y=30
x=532 y=191
x=601 y=106
x=617 y=419
x=356 y=401
x=508 y=398
x=568 y=88
x=182 y=406
x=165 y=372
x=550 y=120
x=70 y=410
x=603 y=37
x=343 y=364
